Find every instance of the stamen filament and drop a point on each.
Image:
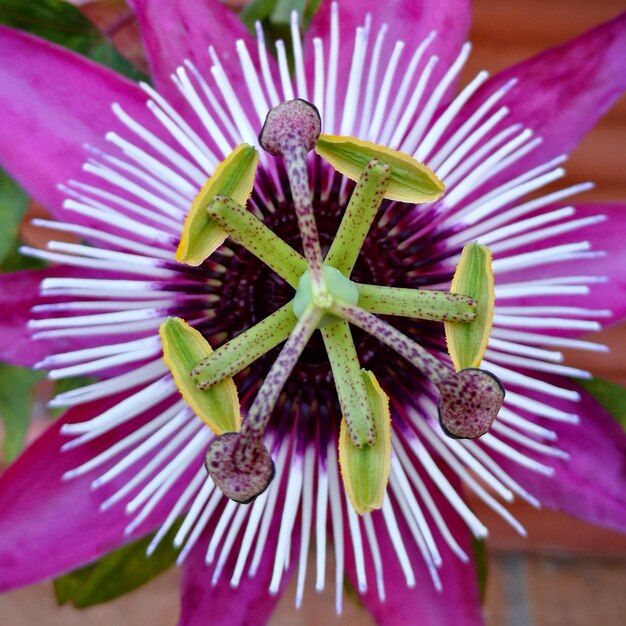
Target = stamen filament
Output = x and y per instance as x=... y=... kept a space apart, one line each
x=358 y=217
x=351 y=390
x=290 y=131
x=425 y=304
x=253 y=234
x=259 y=413
x=241 y=351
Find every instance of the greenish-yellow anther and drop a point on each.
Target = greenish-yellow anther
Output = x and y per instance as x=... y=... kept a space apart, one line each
x=183 y=348
x=467 y=341
x=411 y=181
x=365 y=469
x=234 y=178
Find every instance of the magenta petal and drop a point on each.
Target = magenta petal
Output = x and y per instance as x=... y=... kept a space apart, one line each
x=591 y=484
x=409 y=21
x=53 y=102
x=562 y=92
x=249 y=603
x=49 y=526
x=175 y=31
x=20 y=291
x=456 y=603
x=608 y=259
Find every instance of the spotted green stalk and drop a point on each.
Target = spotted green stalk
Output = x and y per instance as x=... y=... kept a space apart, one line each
x=244 y=349
x=351 y=390
x=425 y=304
x=256 y=237
x=355 y=224
x=430 y=366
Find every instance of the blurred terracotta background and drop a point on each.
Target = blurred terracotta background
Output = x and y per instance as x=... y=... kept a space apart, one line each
x=566 y=573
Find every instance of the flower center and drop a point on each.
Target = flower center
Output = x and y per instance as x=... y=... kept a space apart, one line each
x=336 y=286
x=327 y=299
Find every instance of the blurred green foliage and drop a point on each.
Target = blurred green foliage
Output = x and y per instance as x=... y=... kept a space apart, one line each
x=610 y=395
x=275 y=17
x=17 y=389
x=117 y=573
x=62 y=23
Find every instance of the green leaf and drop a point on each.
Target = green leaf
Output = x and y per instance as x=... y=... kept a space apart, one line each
x=15 y=260
x=281 y=13
x=64 y=24
x=117 y=573
x=63 y=385
x=610 y=395
x=13 y=205
x=17 y=386
x=278 y=12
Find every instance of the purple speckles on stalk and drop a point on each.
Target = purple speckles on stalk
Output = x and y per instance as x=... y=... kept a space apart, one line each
x=431 y=367
x=259 y=413
x=469 y=403
x=239 y=463
x=470 y=399
x=242 y=470
x=290 y=131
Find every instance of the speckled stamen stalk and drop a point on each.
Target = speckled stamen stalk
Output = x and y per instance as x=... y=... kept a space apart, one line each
x=351 y=390
x=431 y=367
x=244 y=349
x=358 y=217
x=469 y=400
x=254 y=235
x=239 y=463
x=425 y=304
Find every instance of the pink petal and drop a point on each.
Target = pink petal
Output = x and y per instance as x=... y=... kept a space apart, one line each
x=607 y=238
x=175 y=31
x=64 y=102
x=49 y=526
x=591 y=484
x=562 y=92
x=410 y=21
x=250 y=602
x=457 y=603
